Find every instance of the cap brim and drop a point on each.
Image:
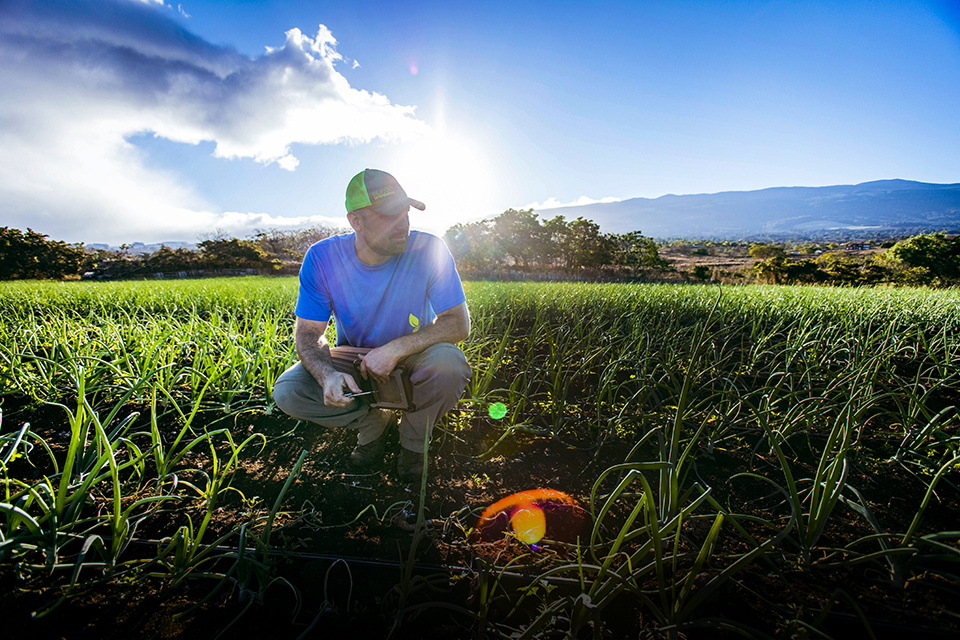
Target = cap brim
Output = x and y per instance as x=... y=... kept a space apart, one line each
x=399 y=207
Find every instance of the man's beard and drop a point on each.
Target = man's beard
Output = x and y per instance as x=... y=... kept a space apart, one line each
x=390 y=246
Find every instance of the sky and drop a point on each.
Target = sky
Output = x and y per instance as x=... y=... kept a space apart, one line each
x=144 y=121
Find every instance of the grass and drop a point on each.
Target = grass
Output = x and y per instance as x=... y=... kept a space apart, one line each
x=813 y=379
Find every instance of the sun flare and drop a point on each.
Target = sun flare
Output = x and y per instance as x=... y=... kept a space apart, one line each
x=449 y=174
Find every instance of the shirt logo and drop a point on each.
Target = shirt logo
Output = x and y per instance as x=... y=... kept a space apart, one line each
x=414 y=322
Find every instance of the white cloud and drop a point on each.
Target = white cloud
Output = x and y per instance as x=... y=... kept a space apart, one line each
x=288 y=162
x=242 y=224
x=553 y=203
x=80 y=78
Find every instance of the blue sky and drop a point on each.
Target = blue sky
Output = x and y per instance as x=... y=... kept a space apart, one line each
x=132 y=120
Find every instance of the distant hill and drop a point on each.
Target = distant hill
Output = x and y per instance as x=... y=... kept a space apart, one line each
x=870 y=209
x=137 y=248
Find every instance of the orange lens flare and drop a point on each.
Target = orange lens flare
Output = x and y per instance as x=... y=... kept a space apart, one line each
x=529 y=523
x=532 y=515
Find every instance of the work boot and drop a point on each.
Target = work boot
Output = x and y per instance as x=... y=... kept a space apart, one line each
x=371 y=454
x=410 y=465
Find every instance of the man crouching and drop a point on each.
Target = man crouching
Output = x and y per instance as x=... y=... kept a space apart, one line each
x=390 y=290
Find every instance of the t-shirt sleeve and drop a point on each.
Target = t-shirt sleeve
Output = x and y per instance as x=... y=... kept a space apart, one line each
x=445 y=290
x=313 y=298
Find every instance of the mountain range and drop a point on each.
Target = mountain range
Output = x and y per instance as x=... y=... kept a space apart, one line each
x=139 y=248
x=884 y=208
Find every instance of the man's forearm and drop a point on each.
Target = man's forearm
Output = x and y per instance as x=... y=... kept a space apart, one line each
x=314 y=352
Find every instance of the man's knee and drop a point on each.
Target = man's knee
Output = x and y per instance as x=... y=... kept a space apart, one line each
x=285 y=396
x=297 y=393
x=444 y=361
x=291 y=394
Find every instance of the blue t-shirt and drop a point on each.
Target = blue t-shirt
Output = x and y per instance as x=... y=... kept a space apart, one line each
x=373 y=305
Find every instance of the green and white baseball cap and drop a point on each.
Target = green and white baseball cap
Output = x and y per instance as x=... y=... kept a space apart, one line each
x=380 y=191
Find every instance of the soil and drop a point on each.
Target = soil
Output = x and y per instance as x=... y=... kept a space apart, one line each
x=342 y=539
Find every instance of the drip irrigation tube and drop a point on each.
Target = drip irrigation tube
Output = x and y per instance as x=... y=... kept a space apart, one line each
x=375 y=564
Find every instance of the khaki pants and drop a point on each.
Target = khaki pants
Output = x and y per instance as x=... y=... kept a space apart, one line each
x=439 y=375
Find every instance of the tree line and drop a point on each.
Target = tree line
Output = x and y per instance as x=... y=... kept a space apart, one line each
x=931 y=259
x=209 y=256
x=32 y=256
x=517 y=240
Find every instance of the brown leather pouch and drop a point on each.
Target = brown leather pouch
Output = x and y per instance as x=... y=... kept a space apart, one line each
x=396 y=393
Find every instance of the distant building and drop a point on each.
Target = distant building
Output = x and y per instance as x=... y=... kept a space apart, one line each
x=856 y=245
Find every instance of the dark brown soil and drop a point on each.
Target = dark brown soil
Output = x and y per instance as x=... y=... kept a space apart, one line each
x=342 y=539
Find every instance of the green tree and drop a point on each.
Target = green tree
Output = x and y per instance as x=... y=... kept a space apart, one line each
x=515 y=234
x=587 y=247
x=112 y=264
x=635 y=251
x=234 y=254
x=804 y=271
x=702 y=272
x=765 y=251
x=471 y=245
x=781 y=270
x=773 y=270
x=875 y=270
x=552 y=242
x=931 y=259
x=839 y=267
x=31 y=256
x=166 y=259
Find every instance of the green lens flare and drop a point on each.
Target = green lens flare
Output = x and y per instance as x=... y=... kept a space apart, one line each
x=497 y=410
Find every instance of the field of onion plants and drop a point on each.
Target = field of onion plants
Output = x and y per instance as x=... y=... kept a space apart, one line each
x=746 y=462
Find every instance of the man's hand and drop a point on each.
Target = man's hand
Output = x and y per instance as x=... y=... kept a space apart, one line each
x=379 y=363
x=451 y=326
x=314 y=354
x=333 y=385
